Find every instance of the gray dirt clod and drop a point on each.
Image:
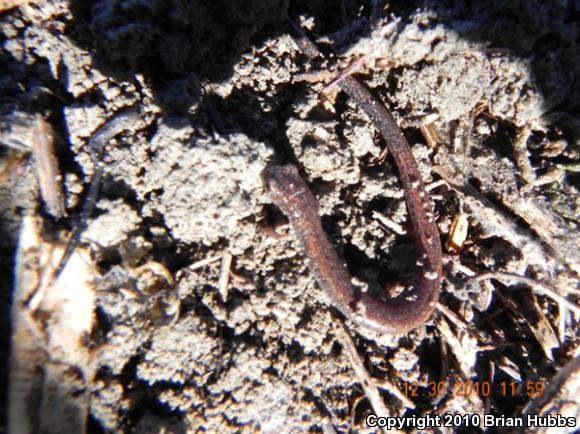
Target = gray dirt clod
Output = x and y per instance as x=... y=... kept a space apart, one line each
x=208 y=188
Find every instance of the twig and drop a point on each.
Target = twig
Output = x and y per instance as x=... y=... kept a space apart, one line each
x=31 y=133
x=452 y=317
x=514 y=279
x=568 y=373
x=47 y=167
x=203 y=262
x=489 y=216
x=225 y=276
x=369 y=384
x=350 y=69
x=96 y=145
x=457 y=265
x=389 y=223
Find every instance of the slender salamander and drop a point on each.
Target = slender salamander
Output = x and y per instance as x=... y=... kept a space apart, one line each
x=289 y=192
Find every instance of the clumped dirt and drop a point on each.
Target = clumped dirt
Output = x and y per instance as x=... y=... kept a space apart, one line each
x=206 y=317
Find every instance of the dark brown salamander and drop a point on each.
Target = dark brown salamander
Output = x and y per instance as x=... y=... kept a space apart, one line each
x=289 y=192
x=397 y=315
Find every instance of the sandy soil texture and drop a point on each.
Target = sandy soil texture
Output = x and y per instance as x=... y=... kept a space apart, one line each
x=188 y=305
